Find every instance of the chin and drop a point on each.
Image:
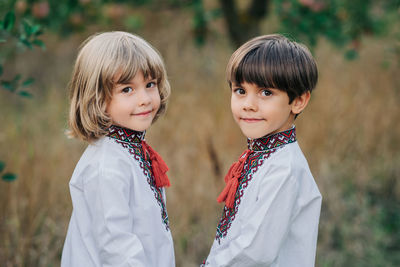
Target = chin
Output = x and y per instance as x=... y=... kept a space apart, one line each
x=252 y=135
x=141 y=129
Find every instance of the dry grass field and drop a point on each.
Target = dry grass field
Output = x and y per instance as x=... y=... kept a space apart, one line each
x=350 y=134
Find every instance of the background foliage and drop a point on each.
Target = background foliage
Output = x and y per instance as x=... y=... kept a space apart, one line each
x=349 y=132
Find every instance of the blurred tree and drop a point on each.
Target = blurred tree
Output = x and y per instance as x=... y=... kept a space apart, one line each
x=244 y=24
x=17 y=35
x=342 y=22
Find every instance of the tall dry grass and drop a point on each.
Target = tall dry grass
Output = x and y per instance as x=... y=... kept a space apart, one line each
x=349 y=133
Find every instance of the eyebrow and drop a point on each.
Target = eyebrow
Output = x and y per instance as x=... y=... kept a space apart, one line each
x=128 y=82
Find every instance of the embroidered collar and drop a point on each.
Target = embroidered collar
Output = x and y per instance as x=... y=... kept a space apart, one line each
x=273 y=140
x=125 y=135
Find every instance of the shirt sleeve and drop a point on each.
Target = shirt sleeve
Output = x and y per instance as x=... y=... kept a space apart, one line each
x=107 y=197
x=266 y=225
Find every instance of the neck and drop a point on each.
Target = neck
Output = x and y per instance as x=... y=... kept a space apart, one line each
x=272 y=140
x=125 y=134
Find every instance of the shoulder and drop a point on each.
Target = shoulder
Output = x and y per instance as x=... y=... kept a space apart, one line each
x=289 y=156
x=288 y=163
x=102 y=156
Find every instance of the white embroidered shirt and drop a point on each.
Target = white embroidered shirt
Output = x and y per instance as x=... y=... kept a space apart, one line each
x=119 y=216
x=274 y=221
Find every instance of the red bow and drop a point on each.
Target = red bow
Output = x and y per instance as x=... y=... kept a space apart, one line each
x=232 y=180
x=158 y=166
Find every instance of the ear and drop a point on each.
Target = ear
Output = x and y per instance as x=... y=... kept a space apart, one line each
x=300 y=102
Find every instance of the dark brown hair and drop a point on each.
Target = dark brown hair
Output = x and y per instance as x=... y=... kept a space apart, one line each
x=273 y=61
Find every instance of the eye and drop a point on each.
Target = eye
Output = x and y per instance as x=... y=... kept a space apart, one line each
x=127 y=90
x=266 y=92
x=239 y=91
x=151 y=84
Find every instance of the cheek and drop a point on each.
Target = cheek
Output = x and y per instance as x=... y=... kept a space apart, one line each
x=110 y=107
x=119 y=106
x=107 y=106
x=234 y=105
x=156 y=99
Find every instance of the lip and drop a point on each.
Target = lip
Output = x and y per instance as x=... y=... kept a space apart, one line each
x=251 y=120
x=144 y=113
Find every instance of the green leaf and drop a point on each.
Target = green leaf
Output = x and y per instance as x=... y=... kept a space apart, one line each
x=35 y=29
x=40 y=32
x=9 y=21
x=39 y=43
x=9 y=177
x=8 y=86
x=27 y=27
x=133 y=22
x=28 y=82
x=351 y=54
x=25 y=42
x=1 y=70
x=16 y=78
x=25 y=94
x=2 y=166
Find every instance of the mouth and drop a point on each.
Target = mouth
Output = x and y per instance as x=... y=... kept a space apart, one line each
x=144 y=113
x=251 y=120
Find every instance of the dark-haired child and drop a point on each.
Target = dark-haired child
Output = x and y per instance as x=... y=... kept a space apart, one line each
x=272 y=203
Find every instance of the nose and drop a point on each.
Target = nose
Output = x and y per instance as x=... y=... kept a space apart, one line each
x=144 y=97
x=250 y=103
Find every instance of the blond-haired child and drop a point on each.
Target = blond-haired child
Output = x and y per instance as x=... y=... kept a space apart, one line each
x=118 y=88
x=272 y=203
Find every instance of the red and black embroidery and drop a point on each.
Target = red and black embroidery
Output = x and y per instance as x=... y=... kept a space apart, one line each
x=262 y=149
x=272 y=141
x=132 y=141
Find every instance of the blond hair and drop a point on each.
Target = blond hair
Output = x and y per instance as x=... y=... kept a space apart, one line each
x=101 y=59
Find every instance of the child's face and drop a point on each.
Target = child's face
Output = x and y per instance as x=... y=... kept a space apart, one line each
x=261 y=111
x=134 y=105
